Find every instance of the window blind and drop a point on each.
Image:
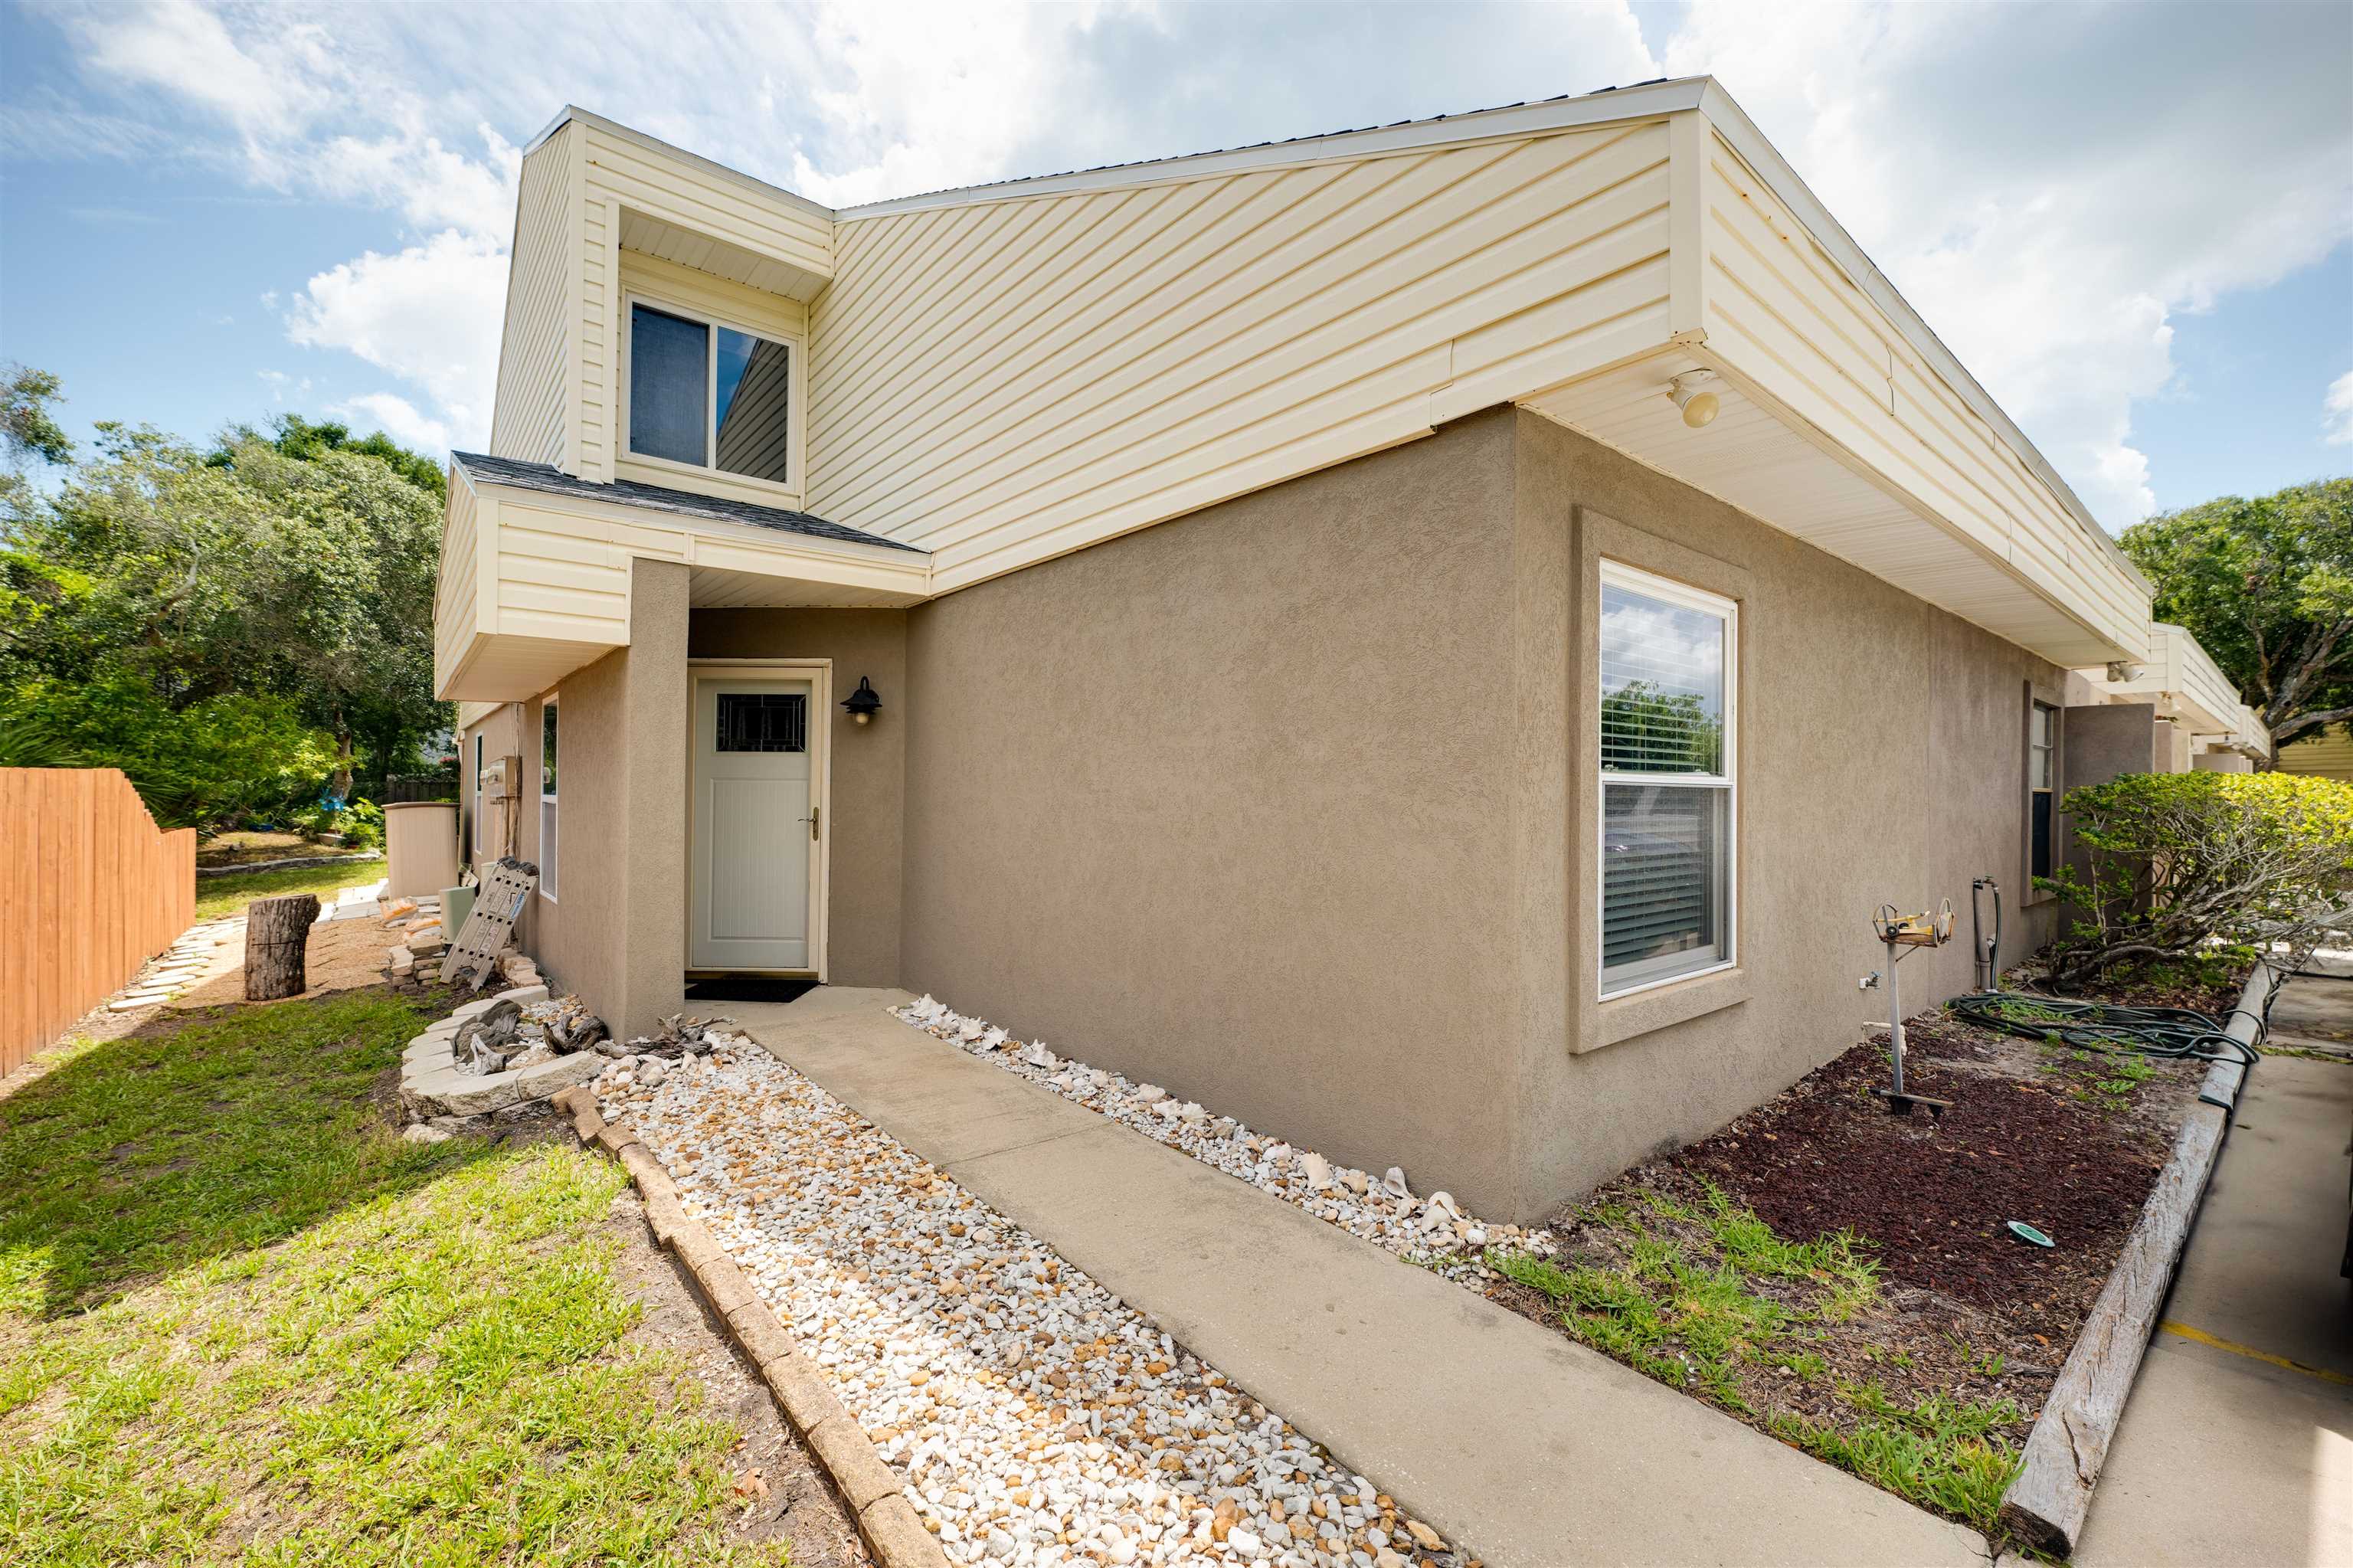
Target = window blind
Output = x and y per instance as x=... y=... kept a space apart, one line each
x=1666 y=781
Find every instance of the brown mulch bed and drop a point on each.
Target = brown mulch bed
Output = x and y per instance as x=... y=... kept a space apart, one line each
x=2030 y=1136
x=1966 y=1317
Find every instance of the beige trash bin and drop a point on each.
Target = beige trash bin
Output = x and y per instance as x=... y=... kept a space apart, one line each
x=420 y=847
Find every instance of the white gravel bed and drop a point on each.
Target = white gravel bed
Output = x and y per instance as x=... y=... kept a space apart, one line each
x=1435 y=1232
x=1036 y=1417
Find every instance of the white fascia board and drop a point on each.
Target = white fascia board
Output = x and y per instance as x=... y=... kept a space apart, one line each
x=1731 y=122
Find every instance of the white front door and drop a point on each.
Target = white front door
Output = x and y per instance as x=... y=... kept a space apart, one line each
x=754 y=827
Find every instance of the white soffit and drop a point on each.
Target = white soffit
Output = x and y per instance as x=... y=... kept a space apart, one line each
x=1749 y=458
x=716 y=588
x=673 y=242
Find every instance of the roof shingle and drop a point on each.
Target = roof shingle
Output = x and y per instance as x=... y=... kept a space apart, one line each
x=554 y=481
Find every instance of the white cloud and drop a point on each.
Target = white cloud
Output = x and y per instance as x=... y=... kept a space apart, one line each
x=2336 y=412
x=428 y=314
x=397 y=417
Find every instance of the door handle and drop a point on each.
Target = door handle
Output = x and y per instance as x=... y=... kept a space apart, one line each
x=815 y=813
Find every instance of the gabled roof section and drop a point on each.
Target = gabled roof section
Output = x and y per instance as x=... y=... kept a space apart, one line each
x=553 y=481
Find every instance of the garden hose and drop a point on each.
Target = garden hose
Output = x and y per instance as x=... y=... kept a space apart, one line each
x=2170 y=1031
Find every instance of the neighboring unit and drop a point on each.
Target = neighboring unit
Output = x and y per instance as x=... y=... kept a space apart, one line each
x=1434 y=640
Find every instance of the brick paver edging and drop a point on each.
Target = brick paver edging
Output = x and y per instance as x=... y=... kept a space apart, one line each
x=887 y=1521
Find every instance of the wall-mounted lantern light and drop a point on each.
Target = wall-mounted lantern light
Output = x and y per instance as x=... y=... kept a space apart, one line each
x=864 y=703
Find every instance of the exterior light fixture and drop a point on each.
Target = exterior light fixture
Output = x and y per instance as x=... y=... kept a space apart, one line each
x=864 y=703
x=1688 y=392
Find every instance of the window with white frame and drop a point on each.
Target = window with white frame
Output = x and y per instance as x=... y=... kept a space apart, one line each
x=704 y=394
x=547 y=796
x=2042 y=786
x=474 y=847
x=1667 y=780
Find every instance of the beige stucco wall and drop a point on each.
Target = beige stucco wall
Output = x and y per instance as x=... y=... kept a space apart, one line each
x=1224 y=804
x=1281 y=806
x=865 y=806
x=615 y=934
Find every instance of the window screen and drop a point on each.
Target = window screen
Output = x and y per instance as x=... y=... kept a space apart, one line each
x=668 y=382
x=1666 y=780
x=763 y=721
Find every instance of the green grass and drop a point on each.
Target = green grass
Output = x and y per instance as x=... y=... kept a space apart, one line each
x=218 y=895
x=241 y=1323
x=1707 y=1287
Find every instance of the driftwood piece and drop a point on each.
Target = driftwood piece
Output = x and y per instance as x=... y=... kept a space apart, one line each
x=277 y=939
x=2051 y=1496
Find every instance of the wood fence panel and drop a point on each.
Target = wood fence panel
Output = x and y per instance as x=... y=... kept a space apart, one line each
x=89 y=890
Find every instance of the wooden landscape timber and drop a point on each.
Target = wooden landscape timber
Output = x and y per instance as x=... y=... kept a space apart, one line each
x=2050 y=1497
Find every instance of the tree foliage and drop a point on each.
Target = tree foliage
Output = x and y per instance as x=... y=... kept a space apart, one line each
x=292 y=570
x=2179 y=860
x=2266 y=586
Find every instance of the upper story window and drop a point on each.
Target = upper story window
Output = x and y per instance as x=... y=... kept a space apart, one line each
x=1667 y=780
x=703 y=393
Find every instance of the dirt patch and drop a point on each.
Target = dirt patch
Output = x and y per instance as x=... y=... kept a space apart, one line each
x=780 y=1490
x=342 y=955
x=2032 y=1136
x=1846 y=1279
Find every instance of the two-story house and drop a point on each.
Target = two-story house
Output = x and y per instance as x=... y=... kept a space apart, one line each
x=1432 y=640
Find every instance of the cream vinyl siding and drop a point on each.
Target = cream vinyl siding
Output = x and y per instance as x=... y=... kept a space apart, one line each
x=2329 y=756
x=2182 y=679
x=551 y=591
x=701 y=296
x=1797 y=331
x=534 y=386
x=1005 y=381
x=455 y=611
x=674 y=205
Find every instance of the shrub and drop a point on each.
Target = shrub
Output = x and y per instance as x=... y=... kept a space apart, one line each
x=2178 y=861
x=362 y=824
x=213 y=761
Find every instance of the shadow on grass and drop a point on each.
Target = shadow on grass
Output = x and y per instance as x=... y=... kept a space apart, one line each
x=196 y=1139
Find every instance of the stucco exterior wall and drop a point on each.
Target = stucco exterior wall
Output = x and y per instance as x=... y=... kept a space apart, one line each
x=1883 y=755
x=866 y=808
x=1284 y=806
x=1225 y=804
x=617 y=934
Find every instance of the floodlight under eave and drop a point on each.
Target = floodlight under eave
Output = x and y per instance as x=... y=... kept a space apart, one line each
x=1689 y=393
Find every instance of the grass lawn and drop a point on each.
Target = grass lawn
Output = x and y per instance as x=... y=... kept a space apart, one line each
x=1701 y=1294
x=242 y=1321
x=218 y=895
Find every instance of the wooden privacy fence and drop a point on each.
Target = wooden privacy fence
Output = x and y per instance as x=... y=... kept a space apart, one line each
x=89 y=890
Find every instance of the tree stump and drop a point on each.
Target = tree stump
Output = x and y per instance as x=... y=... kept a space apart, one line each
x=277 y=932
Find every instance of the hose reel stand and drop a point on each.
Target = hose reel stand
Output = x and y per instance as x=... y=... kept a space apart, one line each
x=1901 y=934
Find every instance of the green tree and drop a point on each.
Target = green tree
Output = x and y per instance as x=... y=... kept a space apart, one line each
x=27 y=427
x=296 y=566
x=2266 y=586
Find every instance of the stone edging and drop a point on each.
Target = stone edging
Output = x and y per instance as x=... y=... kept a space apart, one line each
x=204 y=871
x=892 y=1529
x=2049 y=1499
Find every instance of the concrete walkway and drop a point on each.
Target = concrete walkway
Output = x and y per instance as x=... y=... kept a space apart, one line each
x=2225 y=1457
x=1529 y=1449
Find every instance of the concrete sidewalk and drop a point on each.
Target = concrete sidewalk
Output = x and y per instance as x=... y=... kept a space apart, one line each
x=1529 y=1449
x=2225 y=1457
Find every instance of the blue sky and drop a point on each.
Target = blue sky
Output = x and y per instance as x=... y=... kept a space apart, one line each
x=2134 y=222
